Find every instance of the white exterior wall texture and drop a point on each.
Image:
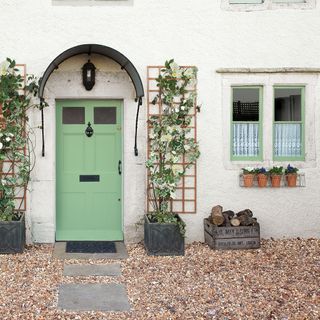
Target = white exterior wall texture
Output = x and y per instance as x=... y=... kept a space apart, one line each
x=199 y=33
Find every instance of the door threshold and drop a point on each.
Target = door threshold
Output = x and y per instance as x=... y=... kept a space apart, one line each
x=59 y=252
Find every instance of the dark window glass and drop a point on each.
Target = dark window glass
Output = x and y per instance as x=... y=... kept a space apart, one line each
x=287 y=104
x=73 y=115
x=105 y=115
x=245 y=104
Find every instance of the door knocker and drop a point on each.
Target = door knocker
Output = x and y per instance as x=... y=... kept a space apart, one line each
x=89 y=130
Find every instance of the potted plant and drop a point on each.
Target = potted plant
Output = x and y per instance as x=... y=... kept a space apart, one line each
x=15 y=151
x=291 y=175
x=262 y=177
x=276 y=176
x=248 y=174
x=170 y=143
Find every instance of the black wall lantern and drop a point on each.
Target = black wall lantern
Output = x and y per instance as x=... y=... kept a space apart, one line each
x=88 y=75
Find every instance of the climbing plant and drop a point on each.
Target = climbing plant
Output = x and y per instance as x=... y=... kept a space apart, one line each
x=17 y=97
x=170 y=139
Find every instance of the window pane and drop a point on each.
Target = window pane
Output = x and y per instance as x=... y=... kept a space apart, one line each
x=244 y=1
x=288 y=1
x=245 y=104
x=105 y=115
x=246 y=139
x=287 y=104
x=288 y=140
x=73 y=115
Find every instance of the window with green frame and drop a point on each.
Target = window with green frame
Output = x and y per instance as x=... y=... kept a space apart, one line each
x=288 y=125
x=246 y=123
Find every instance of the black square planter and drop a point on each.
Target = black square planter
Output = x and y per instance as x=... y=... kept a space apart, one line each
x=12 y=236
x=163 y=239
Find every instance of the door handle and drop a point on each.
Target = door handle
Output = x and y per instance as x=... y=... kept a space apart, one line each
x=119 y=167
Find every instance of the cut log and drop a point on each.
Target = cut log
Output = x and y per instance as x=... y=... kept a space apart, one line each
x=226 y=220
x=216 y=216
x=246 y=212
x=247 y=221
x=230 y=213
x=235 y=222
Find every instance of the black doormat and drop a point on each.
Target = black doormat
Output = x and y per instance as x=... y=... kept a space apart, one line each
x=91 y=247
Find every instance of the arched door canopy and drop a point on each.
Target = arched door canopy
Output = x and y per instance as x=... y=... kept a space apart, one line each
x=113 y=54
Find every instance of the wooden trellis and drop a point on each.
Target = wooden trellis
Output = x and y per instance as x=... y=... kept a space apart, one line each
x=186 y=195
x=9 y=168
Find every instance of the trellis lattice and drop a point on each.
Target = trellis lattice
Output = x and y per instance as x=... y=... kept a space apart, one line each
x=9 y=168
x=186 y=195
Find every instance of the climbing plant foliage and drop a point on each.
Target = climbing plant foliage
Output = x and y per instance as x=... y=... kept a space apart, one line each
x=170 y=138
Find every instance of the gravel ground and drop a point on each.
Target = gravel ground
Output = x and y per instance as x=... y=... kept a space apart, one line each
x=279 y=281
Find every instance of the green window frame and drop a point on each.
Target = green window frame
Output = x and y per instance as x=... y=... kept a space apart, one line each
x=301 y=122
x=259 y=156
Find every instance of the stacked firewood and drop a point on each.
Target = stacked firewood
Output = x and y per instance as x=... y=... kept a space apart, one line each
x=231 y=219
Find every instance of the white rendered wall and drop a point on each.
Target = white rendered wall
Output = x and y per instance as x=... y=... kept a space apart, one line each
x=196 y=33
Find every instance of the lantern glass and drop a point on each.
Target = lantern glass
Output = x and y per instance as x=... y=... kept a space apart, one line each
x=88 y=75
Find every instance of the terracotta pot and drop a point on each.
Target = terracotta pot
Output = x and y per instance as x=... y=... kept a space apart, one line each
x=248 y=180
x=291 y=180
x=262 y=180
x=275 y=181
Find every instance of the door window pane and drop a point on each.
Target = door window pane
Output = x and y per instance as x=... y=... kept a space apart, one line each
x=287 y=104
x=105 y=115
x=73 y=115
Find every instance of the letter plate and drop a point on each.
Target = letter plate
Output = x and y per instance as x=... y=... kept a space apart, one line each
x=89 y=178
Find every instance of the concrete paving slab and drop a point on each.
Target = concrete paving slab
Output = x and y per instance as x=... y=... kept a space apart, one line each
x=93 y=297
x=76 y=270
x=59 y=252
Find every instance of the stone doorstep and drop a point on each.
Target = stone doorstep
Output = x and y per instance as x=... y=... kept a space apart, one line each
x=93 y=297
x=76 y=270
x=59 y=252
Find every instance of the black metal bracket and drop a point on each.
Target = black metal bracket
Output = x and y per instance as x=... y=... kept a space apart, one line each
x=136 y=132
x=42 y=125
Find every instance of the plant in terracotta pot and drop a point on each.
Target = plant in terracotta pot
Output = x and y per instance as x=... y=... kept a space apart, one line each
x=248 y=174
x=276 y=176
x=170 y=142
x=262 y=177
x=15 y=153
x=291 y=176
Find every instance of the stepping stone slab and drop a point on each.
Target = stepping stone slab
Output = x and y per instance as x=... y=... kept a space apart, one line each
x=76 y=270
x=93 y=297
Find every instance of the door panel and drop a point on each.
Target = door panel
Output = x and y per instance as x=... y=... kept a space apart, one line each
x=88 y=208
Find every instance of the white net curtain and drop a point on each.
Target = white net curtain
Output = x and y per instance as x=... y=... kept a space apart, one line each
x=287 y=140
x=246 y=139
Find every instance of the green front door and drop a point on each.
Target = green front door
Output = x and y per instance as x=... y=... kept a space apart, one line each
x=88 y=170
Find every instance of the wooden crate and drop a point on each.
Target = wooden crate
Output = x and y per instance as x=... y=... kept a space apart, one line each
x=226 y=238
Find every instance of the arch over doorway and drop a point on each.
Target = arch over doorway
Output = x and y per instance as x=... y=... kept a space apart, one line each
x=111 y=53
